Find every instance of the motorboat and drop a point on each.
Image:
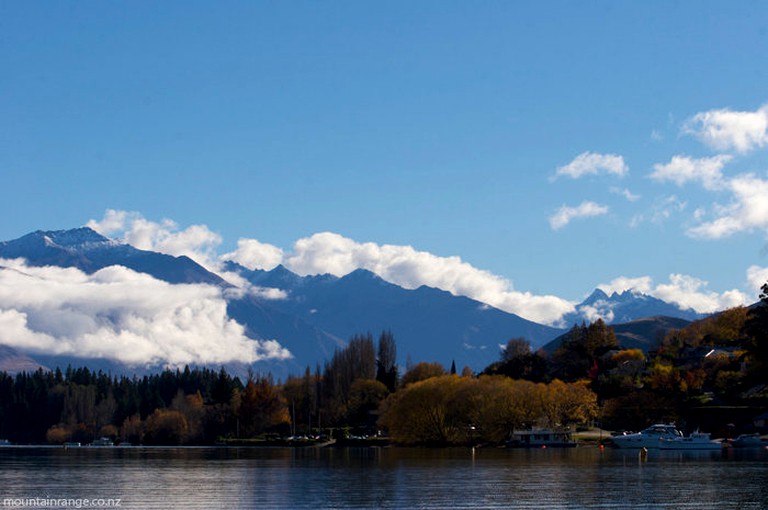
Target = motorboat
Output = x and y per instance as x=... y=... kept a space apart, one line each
x=540 y=438
x=747 y=441
x=103 y=442
x=647 y=438
x=696 y=441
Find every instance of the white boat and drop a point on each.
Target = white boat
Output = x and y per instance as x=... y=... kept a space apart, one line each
x=540 y=438
x=5 y=442
x=648 y=438
x=696 y=441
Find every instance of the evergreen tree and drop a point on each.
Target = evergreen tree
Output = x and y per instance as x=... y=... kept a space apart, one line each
x=386 y=361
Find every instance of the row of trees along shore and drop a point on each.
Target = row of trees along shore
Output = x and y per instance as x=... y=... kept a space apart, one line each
x=713 y=374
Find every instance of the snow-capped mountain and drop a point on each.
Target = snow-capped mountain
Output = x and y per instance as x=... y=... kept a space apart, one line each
x=428 y=324
x=624 y=307
x=311 y=317
x=89 y=251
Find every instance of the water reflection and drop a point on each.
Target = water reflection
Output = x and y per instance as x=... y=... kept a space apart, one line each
x=390 y=478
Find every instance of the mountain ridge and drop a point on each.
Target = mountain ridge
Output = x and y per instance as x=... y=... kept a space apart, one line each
x=315 y=314
x=626 y=306
x=85 y=249
x=361 y=301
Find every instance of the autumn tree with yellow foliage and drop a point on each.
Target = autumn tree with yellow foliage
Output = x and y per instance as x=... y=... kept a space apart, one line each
x=449 y=409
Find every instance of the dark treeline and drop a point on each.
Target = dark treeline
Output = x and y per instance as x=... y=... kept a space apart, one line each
x=79 y=405
x=709 y=375
x=198 y=406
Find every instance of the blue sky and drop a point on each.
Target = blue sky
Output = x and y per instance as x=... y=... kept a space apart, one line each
x=551 y=146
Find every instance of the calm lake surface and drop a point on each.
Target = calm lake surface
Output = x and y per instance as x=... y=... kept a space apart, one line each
x=376 y=478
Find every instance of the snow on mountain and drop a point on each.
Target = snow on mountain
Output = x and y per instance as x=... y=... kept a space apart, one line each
x=85 y=249
x=428 y=324
x=317 y=314
x=626 y=306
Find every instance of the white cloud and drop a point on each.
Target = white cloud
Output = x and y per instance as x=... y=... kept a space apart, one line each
x=682 y=169
x=253 y=254
x=682 y=290
x=566 y=214
x=690 y=292
x=665 y=207
x=121 y=315
x=598 y=310
x=591 y=163
x=636 y=220
x=757 y=277
x=631 y=197
x=332 y=253
x=243 y=287
x=403 y=265
x=641 y=284
x=726 y=129
x=197 y=242
x=748 y=210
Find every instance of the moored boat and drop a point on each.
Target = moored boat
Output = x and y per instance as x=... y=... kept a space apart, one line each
x=5 y=442
x=696 y=441
x=747 y=441
x=647 y=438
x=541 y=438
x=103 y=442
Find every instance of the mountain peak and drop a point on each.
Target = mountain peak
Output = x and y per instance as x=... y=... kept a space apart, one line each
x=280 y=277
x=597 y=295
x=625 y=306
x=362 y=275
x=48 y=243
x=89 y=251
x=281 y=270
x=76 y=237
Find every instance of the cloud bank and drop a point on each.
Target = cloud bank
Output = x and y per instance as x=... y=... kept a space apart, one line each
x=331 y=253
x=197 y=242
x=335 y=254
x=403 y=265
x=121 y=315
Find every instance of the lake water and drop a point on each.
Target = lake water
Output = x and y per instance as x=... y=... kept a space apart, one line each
x=373 y=478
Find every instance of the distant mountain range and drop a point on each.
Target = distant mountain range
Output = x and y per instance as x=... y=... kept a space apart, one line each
x=428 y=324
x=626 y=306
x=317 y=314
